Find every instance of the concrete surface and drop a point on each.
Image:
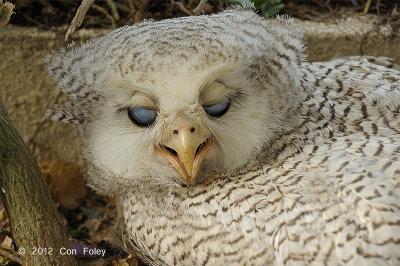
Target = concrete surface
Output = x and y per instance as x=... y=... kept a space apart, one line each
x=360 y=35
x=27 y=91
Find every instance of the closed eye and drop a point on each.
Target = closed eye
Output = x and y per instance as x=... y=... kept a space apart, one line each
x=142 y=116
x=218 y=109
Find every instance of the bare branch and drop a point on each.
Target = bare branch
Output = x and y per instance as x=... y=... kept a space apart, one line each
x=80 y=14
x=113 y=8
x=105 y=13
x=11 y=256
x=123 y=8
x=199 y=8
x=34 y=220
x=182 y=8
x=366 y=8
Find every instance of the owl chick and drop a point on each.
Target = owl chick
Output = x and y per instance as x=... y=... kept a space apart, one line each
x=228 y=147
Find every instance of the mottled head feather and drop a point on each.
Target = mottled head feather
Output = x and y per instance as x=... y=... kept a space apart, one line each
x=257 y=59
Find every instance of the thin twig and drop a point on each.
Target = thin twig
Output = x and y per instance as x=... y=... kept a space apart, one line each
x=197 y=11
x=122 y=7
x=366 y=8
x=394 y=11
x=104 y=11
x=377 y=7
x=28 y=18
x=182 y=8
x=113 y=8
x=80 y=14
x=130 y=4
x=11 y=256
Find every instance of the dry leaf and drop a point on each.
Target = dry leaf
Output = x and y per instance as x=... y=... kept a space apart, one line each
x=66 y=183
x=3 y=217
x=5 y=227
x=131 y=260
x=6 y=243
x=6 y=10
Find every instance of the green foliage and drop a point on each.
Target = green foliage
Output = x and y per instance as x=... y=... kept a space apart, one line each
x=6 y=261
x=78 y=234
x=268 y=8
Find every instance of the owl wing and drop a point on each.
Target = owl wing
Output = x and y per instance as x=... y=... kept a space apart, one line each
x=339 y=198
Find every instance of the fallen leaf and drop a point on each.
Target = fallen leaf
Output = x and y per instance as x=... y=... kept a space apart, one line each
x=6 y=10
x=131 y=260
x=6 y=243
x=65 y=181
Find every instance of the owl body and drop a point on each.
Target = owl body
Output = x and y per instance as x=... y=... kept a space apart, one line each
x=335 y=202
x=302 y=162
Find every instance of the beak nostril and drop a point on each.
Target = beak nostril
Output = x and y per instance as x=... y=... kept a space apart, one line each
x=192 y=129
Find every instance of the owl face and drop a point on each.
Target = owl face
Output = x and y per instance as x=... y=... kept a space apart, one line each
x=177 y=101
x=182 y=129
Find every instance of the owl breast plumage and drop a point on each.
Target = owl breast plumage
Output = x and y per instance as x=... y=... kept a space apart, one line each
x=310 y=167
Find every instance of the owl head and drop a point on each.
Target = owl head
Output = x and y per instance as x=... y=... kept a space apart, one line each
x=174 y=102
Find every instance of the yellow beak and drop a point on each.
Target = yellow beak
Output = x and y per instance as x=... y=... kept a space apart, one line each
x=185 y=150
